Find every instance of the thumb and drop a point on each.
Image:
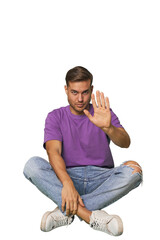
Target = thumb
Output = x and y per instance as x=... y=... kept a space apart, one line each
x=81 y=202
x=87 y=113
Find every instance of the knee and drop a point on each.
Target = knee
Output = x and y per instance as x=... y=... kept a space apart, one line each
x=30 y=166
x=137 y=168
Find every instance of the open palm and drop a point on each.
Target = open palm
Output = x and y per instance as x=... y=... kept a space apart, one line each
x=102 y=114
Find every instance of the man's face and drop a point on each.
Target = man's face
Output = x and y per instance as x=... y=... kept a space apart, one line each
x=79 y=96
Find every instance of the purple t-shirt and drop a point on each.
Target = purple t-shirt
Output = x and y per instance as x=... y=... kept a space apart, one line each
x=83 y=143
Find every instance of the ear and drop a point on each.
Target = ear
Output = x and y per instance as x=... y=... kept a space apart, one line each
x=66 y=89
x=92 y=88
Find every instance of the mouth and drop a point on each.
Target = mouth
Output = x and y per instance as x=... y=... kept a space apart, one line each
x=80 y=105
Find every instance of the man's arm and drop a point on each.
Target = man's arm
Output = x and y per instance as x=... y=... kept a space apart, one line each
x=102 y=119
x=118 y=135
x=70 y=196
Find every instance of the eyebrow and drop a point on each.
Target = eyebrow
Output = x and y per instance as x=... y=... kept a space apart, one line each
x=77 y=91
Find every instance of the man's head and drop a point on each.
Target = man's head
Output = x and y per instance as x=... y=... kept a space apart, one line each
x=79 y=89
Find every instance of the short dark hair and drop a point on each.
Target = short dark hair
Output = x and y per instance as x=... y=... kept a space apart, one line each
x=78 y=74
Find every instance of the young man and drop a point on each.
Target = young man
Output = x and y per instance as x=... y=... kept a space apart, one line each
x=80 y=176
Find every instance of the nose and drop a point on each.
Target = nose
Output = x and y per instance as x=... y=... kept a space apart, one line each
x=80 y=99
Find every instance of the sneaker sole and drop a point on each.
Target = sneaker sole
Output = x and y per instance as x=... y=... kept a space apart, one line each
x=43 y=222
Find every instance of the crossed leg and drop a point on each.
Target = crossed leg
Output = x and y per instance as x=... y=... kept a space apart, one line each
x=40 y=173
x=85 y=214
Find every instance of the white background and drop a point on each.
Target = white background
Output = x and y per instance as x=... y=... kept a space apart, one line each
x=119 y=42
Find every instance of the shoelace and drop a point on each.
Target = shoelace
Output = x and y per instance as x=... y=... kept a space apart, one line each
x=101 y=224
x=60 y=222
x=70 y=219
x=64 y=220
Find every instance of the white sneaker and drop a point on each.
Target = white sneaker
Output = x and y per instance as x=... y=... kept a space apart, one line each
x=54 y=219
x=102 y=221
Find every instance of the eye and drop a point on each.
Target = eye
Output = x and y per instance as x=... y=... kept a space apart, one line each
x=74 y=92
x=86 y=92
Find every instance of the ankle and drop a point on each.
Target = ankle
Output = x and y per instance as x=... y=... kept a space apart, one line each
x=84 y=213
x=88 y=215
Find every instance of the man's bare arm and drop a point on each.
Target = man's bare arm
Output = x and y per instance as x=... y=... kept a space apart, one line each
x=70 y=196
x=118 y=135
x=54 y=149
x=102 y=119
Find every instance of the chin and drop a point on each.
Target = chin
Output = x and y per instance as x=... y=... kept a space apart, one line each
x=79 y=109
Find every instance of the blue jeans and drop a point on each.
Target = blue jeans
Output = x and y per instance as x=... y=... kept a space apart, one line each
x=98 y=187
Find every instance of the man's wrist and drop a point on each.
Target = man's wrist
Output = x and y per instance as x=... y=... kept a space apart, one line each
x=108 y=130
x=67 y=182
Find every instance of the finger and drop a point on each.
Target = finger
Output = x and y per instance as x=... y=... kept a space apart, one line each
x=67 y=209
x=98 y=98
x=75 y=208
x=103 y=100
x=63 y=205
x=81 y=202
x=87 y=113
x=93 y=101
x=71 y=207
x=107 y=103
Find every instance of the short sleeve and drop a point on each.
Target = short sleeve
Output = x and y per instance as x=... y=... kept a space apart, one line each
x=52 y=129
x=114 y=120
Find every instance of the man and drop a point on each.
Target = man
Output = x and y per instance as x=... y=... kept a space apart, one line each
x=80 y=176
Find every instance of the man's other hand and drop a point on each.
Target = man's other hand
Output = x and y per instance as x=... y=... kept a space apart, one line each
x=70 y=199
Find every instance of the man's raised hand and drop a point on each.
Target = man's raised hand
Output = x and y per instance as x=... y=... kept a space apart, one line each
x=102 y=114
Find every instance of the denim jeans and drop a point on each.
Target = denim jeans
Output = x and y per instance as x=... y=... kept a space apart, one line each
x=98 y=187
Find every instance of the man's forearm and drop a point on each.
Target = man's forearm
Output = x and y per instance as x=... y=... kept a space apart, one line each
x=59 y=167
x=69 y=194
x=118 y=135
